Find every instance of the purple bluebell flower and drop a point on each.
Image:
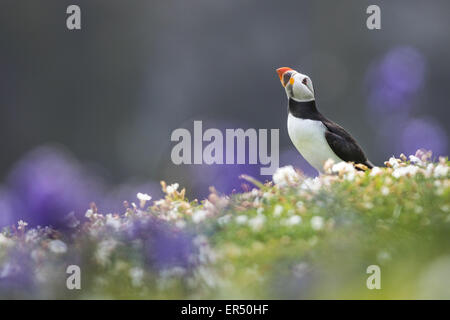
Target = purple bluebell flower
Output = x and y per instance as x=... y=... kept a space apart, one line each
x=164 y=245
x=48 y=184
x=422 y=133
x=394 y=81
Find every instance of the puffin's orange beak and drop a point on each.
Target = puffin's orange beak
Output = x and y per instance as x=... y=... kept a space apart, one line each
x=280 y=72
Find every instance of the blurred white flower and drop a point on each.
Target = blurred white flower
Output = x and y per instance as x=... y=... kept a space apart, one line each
x=403 y=171
x=199 y=216
x=180 y=224
x=328 y=165
x=224 y=219
x=172 y=188
x=375 y=171
x=440 y=171
x=104 y=250
x=241 y=219
x=257 y=222
x=278 y=210
x=113 y=222
x=5 y=242
x=57 y=246
x=344 y=168
x=291 y=221
x=317 y=223
x=393 y=162
x=136 y=275
x=143 y=198
x=89 y=213
x=21 y=225
x=285 y=176
x=312 y=184
x=32 y=236
x=415 y=160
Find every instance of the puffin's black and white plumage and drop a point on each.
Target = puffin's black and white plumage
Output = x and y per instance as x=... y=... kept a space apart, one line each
x=315 y=137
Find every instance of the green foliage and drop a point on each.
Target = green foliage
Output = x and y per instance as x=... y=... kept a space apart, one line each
x=295 y=238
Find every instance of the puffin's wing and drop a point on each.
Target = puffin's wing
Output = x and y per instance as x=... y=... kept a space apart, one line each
x=343 y=145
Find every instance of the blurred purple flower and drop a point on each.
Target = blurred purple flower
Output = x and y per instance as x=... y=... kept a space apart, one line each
x=47 y=185
x=394 y=81
x=164 y=246
x=16 y=274
x=422 y=133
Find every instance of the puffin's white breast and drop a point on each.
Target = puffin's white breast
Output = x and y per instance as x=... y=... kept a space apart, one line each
x=308 y=136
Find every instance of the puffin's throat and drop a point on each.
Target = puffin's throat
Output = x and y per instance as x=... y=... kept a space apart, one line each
x=303 y=109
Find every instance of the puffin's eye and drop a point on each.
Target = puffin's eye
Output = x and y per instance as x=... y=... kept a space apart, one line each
x=305 y=81
x=286 y=77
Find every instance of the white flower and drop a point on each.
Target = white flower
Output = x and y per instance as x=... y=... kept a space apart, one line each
x=241 y=219
x=375 y=171
x=395 y=163
x=180 y=224
x=136 y=275
x=344 y=168
x=291 y=221
x=32 y=236
x=172 y=188
x=57 y=246
x=313 y=184
x=21 y=225
x=285 y=176
x=5 y=242
x=415 y=160
x=278 y=210
x=224 y=219
x=89 y=213
x=317 y=223
x=199 y=216
x=384 y=191
x=328 y=165
x=267 y=195
x=257 y=222
x=440 y=171
x=112 y=222
x=143 y=198
x=104 y=250
x=403 y=171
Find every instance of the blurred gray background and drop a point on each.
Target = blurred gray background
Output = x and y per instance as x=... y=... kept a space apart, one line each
x=107 y=97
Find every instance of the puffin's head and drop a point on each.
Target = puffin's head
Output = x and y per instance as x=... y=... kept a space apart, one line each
x=298 y=86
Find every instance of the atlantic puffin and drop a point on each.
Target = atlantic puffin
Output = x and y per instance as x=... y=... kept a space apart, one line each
x=315 y=137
